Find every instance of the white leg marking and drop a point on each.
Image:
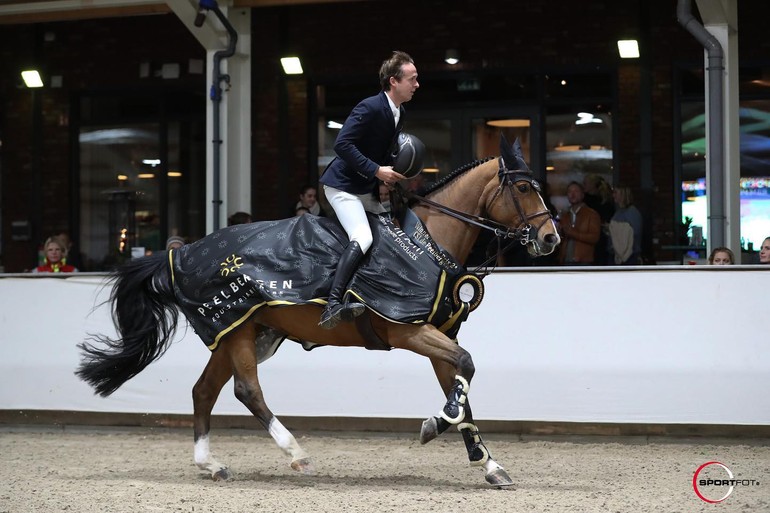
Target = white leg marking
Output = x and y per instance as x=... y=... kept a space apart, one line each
x=491 y=465
x=203 y=456
x=285 y=440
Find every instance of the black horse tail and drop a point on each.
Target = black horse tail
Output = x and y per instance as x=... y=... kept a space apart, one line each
x=145 y=314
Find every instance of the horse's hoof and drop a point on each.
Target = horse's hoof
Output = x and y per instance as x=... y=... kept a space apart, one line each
x=303 y=466
x=429 y=430
x=223 y=474
x=498 y=477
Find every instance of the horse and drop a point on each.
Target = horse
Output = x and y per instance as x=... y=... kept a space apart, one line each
x=498 y=194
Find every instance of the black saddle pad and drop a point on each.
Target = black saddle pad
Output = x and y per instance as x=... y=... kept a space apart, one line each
x=223 y=278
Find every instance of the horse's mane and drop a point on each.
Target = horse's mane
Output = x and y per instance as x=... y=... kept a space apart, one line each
x=454 y=174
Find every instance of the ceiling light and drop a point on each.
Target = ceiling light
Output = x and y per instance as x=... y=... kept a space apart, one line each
x=628 y=49
x=334 y=125
x=32 y=78
x=291 y=65
x=430 y=170
x=145 y=175
x=151 y=162
x=174 y=174
x=452 y=57
x=586 y=117
x=508 y=123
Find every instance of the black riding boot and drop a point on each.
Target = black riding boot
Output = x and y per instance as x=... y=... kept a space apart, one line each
x=336 y=311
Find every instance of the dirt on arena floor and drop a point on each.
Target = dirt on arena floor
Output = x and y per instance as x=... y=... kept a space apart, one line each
x=79 y=469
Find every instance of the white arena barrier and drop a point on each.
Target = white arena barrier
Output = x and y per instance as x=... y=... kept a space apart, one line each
x=624 y=345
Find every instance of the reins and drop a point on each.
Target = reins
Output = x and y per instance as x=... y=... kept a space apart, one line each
x=520 y=234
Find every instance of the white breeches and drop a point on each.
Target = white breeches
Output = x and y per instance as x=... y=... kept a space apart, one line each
x=351 y=212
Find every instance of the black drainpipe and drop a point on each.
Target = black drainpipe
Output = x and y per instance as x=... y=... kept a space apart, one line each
x=216 y=91
x=716 y=228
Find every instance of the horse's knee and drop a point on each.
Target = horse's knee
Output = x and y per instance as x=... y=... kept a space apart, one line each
x=203 y=392
x=246 y=392
x=465 y=365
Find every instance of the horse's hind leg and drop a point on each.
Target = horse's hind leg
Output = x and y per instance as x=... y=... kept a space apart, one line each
x=478 y=454
x=205 y=393
x=243 y=356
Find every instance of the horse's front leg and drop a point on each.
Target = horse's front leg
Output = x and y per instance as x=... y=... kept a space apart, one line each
x=243 y=356
x=478 y=454
x=205 y=393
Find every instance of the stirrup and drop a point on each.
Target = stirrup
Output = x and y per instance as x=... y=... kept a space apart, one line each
x=330 y=316
x=338 y=312
x=350 y=311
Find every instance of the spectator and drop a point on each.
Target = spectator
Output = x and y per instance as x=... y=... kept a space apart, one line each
x=239 y=218
x=73 y=254
x=764 y=252
x=301 y=211
x=308 y=198
x=55 y=258
x=579 y=228
x=384 y=192
x=174 y=242
x=721 y=256
x=350 y=181
x=598 y=196
x=626 y=228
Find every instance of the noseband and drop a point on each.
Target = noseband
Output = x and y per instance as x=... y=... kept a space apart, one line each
x=508 y=179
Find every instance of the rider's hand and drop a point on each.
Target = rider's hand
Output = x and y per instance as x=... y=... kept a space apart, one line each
x=387 y=175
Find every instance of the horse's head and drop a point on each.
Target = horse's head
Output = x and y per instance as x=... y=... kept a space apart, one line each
x=516 y=202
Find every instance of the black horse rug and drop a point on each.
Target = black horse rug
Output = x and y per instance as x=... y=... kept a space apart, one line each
x=222 y=279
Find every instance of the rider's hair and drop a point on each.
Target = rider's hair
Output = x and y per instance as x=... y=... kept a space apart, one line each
x=393 y=67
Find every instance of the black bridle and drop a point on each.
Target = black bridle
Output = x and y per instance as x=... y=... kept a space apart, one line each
x=521 y=233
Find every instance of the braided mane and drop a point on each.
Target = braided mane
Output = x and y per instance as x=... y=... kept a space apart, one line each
x=454 y=174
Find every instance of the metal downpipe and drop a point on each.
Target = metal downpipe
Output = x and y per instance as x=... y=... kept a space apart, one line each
x=216 y=97
x=715 y=68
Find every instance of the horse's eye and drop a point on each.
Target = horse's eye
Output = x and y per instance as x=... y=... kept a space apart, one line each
x=523 y=188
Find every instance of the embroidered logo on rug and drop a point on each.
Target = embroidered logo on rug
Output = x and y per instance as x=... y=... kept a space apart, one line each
x=230 y=265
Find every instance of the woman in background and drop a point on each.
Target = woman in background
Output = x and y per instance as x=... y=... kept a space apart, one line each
x=764 y=252
x=721 y=256
x=55 y=258
x=626 y=228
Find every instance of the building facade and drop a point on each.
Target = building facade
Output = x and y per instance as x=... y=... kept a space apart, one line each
x=116 y=141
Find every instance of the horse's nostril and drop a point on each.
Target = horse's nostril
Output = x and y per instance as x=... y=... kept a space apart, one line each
x=550 y=238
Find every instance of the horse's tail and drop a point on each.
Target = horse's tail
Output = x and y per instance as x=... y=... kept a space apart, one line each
x=145 y=314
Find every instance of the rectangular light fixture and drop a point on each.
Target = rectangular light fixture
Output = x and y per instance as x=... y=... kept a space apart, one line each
x=32 y=78
x=291 y=65
x=628 y=49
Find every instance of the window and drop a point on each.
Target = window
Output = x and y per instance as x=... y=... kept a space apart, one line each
x=578 y=143
x=755 y=171
x=141 y=176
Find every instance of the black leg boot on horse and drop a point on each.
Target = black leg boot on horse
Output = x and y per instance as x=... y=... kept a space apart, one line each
x=336 y=310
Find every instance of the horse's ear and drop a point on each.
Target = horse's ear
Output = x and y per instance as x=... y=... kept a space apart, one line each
x=506 y=152
x=521 y=164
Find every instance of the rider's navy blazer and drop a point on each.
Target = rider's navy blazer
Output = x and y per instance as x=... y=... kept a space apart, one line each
x=363 y=145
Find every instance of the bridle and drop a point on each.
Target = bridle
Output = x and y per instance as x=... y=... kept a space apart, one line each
x=522 y=233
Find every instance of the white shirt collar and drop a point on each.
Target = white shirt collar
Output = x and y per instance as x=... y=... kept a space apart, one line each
x=395 y=110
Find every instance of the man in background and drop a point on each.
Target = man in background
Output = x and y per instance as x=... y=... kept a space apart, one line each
x=579 y=228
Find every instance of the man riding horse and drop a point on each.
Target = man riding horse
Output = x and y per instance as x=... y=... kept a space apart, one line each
x=352 y=179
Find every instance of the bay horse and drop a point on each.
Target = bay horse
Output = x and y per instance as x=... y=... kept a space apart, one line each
x=498 y=194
